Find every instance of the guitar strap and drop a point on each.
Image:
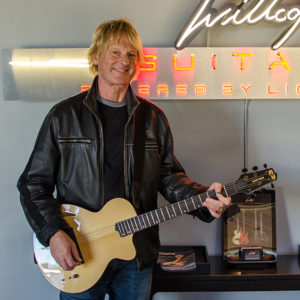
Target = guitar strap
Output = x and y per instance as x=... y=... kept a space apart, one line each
x=138 y=153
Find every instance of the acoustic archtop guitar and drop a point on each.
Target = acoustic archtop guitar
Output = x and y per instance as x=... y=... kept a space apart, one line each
x=107 y=234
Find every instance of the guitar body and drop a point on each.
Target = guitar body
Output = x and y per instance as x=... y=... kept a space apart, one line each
x=98 y=241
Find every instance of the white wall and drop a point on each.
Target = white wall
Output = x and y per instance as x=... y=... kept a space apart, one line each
x=208 y=134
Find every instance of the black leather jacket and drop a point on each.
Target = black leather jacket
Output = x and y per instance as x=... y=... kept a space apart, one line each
x=68 y=158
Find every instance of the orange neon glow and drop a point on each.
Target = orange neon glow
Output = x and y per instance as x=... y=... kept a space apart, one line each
x=184 y=68
x=298 y=89
x=270 y=92
x=144 y=90
x=242 y=55
x=163 y=89
x=181 y=90
x=227 y=90
x=84 y=87
x=200 y=89
x=246 y=88
x=149 y=63
x=282 y=63
x=214 y=61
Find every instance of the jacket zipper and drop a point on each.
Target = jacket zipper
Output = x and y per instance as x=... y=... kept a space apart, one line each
x=102 y=152
x=125 y=152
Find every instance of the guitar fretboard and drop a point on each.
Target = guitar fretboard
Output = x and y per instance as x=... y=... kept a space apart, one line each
x=171 y=211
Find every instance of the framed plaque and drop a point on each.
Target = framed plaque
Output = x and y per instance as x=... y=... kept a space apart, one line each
x=249 y=229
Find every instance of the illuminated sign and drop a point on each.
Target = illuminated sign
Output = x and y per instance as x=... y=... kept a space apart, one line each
x=191 y=73
x=248 y=11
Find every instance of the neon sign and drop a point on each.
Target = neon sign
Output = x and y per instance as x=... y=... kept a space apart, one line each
x=248 y=11
x=191 y=73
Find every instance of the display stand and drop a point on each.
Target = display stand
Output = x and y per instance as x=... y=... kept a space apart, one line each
x=249 y=230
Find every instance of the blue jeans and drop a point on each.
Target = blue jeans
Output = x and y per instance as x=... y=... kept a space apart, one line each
x=121 y=281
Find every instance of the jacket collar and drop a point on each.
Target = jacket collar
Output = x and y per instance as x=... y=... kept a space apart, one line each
x=92 y=103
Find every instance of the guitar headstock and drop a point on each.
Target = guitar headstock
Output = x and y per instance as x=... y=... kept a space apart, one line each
x=250 y=182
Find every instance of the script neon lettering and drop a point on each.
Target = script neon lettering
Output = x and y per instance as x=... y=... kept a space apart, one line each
x=206 y=16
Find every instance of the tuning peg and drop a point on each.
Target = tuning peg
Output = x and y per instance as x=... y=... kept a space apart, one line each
x=245 y=170
x=255 y=168
x=265 y=166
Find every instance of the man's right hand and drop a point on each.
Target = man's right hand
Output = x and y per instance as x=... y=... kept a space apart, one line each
x=64 y=251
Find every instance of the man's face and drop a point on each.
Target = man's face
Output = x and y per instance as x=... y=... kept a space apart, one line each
x=117 y=64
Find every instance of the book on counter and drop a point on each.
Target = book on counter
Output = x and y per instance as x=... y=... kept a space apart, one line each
x=177 y=259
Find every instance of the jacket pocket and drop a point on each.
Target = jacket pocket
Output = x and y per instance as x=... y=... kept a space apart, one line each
x=70 y=140
x=151 y=146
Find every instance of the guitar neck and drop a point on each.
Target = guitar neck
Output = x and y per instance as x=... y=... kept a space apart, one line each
x=171 y=211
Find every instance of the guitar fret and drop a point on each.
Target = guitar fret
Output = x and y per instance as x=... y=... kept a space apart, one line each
x=136 y=228
x=173 y=210
x=168 y=213
x=152 y=218
x=162 y=214
x=225 y=190
x=133 y=223
x=200 y=200
x=142 y=217
x=123 y=229
x=128 y=225
x=194 y=202
x=179 y=207
x=139 y=222
x=118 y=228
x=186 y=206
x=157 y=216
x=148 y=220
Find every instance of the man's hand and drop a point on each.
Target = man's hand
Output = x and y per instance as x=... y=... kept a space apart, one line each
x=64 y=251
x=217 y=207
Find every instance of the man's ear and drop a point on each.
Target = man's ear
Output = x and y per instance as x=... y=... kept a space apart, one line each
x=95 y=59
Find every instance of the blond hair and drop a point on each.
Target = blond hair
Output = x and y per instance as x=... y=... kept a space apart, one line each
x=113 y=30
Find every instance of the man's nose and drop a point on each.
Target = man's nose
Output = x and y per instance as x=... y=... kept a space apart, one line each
x=125 y=59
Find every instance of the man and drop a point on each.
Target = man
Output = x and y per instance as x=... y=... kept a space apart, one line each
x=102 y=144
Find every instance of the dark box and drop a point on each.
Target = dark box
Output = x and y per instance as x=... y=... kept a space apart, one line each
x=201 y=257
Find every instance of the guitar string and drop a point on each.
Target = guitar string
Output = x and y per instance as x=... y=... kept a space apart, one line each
x=96 y=233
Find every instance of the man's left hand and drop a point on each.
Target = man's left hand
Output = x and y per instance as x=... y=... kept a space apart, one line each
x=217 y=207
